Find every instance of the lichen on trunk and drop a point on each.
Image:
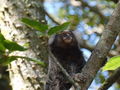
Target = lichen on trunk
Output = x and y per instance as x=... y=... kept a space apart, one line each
x=24 y=75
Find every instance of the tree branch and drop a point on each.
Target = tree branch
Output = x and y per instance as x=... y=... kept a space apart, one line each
x=95 y=9
x=112 y=79
x=56 y=22
x=85 y=45
x=99 y=54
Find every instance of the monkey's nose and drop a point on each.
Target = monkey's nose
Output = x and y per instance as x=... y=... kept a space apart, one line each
x=67 y=39
x=66 y=36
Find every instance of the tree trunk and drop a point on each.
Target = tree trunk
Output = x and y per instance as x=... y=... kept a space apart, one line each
x=24 y=75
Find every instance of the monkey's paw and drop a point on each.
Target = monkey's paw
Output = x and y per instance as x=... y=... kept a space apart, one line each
x=80 y=78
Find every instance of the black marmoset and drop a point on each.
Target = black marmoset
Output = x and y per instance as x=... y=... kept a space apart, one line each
x=65 y=47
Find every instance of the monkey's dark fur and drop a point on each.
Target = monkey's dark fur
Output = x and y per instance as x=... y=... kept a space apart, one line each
x=65 y=48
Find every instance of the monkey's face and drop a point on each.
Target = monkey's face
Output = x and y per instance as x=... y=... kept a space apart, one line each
x=65 y=39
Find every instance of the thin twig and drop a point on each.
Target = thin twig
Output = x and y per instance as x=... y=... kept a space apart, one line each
x=56 y=22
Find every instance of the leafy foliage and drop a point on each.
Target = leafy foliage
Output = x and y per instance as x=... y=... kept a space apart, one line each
x=5 y=59
x=13 y=46
x=2 y=47
x=112 y=64
x=34 y=60
x=10 y=45
x=35 y=24
x=44 y=28
x=58 y=28
x=8 y=59
x=1 y=38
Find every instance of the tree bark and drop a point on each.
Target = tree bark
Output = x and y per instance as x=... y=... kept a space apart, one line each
x=97 y=58
x=24 y=75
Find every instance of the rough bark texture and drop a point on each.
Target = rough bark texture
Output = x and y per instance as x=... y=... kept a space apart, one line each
x=104 y=45
x=24 y=75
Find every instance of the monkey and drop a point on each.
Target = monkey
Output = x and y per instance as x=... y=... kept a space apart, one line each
x=65 y=47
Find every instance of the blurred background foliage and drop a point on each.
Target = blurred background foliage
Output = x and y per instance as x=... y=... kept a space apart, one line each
x=89 y=17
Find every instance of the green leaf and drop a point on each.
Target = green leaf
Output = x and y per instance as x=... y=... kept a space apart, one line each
x=13 y=46
x=1 y=38
x=8 y=60
x=2 y=48
x=31 y=59
x=112 y=64
x=35 y=24
x=35 y=60
x=58 y=28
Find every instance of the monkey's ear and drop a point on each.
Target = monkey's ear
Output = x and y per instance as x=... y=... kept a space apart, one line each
x=78 y=36
x=51 y=39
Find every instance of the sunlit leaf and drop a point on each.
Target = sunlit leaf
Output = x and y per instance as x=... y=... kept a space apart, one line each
x=35 y=24
x=58 y=28
x=112 y=64
x=13 y=46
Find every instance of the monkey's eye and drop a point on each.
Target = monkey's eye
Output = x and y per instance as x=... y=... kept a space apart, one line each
x=66 y=35
x=67 y=38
